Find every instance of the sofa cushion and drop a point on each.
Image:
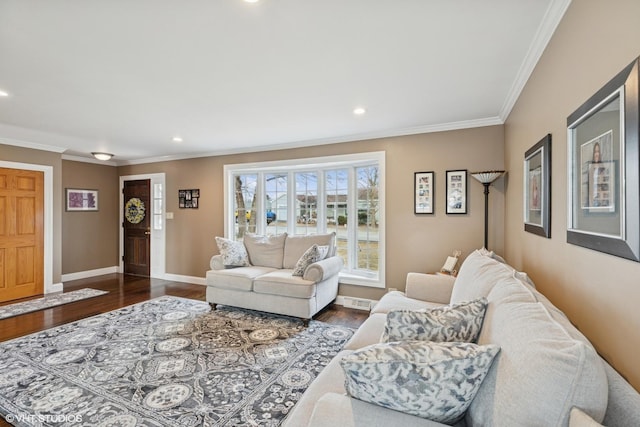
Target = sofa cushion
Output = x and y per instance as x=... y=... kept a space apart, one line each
x=452 y=323
x=265 y=251
x=281 y=282
x=542 y=370
x=338 y=410
x=314 y=254
x=295 y=246
x=436 y=381
x=477 y=276
x=234 y=254
x=238 y=279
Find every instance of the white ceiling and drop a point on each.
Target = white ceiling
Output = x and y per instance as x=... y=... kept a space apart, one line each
x=125 y=76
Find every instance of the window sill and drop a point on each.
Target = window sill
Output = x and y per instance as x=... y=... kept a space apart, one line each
x=351 y=279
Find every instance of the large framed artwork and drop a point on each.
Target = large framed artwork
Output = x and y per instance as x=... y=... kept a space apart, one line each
x=423 y=192
x=537 y=188
x=603 y=188
x=457 y=191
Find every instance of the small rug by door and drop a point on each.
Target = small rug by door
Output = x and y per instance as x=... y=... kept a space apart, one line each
x=48 y=301
x=165 y=362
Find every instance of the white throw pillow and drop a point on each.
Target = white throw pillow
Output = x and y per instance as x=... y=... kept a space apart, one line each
x=314 y=254
x=436 y=381
x=265 y=251
x=233 y=253
x=460 y=322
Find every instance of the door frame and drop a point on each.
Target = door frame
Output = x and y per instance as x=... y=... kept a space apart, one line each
x=49 y=286
x=158 y=237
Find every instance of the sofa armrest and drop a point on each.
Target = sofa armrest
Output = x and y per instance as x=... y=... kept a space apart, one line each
x=334 y=409
x=429 y=287
x=216 y=262
x=323 y=269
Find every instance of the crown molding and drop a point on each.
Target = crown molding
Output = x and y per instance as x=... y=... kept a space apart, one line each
x=550 y=22
x=32 y=145
x=466 y=124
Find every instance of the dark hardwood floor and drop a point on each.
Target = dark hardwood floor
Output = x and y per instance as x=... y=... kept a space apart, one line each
x=126 y=290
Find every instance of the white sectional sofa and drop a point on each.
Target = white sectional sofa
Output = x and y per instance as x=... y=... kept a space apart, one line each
x=267 y=283
x=546 y=373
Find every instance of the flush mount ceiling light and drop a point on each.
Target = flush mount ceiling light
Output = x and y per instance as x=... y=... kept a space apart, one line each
x=359 y=111
x=102 y=156
x=177 y=139
x=3 y=93
x=251 y=1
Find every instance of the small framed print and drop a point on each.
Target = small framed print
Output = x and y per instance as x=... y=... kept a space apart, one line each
x=457 y=191
x=188 y=199
x=423 y=197
x=81 y=200
x=537 y=188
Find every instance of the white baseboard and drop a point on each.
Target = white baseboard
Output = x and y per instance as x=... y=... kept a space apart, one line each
x=184 y=279
x=89 y=273
x=54 y=287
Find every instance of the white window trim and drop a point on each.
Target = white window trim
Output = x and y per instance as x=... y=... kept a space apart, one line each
x=306 y=164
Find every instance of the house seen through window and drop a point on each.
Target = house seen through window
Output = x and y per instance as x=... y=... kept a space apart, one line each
x=341 y=194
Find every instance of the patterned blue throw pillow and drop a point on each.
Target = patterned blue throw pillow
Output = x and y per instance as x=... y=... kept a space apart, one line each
x=453 y=323
x=436 y=381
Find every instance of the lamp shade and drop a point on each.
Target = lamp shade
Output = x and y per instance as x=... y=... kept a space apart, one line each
x=102 y=156
x=487 y=177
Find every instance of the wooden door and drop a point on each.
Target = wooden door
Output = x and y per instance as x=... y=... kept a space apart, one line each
x=21 y=233
x=137 y=227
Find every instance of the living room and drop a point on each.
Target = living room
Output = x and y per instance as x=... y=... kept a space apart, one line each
x=597 y=291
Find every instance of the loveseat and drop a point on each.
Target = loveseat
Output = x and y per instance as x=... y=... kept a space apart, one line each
x=259 y=273
x=546 y=372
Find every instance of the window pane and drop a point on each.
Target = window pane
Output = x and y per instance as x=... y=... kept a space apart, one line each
x=244 y=204
x=276 y=202
x=367 y=206
x=306 y=202
x=337 y=187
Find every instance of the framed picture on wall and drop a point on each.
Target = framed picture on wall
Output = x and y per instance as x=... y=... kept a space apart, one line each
x=603 y=168
x=81 y=200
x=457 y=191
x=423 y=197
x=537 y=188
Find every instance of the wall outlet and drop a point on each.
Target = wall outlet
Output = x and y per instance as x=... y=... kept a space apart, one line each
x=169 y=215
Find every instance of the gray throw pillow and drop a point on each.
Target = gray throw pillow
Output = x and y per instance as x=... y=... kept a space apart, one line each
x=453 y=323
x=265 y=251
x=314 y=254
x=233 y=253
x=436 y=381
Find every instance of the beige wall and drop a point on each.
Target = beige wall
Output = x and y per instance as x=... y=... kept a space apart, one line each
x=90 y=238
x=11 y=153
x=414 y=242
x=600 y=293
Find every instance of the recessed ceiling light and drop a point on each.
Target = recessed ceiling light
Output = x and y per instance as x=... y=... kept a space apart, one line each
x=359 y=111
x=177 y=139
x=3 y=93
x=251 y=1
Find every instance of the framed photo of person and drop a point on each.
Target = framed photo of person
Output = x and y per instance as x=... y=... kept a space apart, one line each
x=457 y=191
x=603 y=164
x=537 y=188
x=423 y=197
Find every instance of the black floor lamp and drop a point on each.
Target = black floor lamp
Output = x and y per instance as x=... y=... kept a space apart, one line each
x=486 y=178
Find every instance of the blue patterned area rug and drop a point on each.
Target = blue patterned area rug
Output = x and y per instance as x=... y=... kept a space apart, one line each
x=165 y=362
x=48 y=301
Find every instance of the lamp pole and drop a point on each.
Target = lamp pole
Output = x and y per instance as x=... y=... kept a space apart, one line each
x=486 y=214
x=486 y=178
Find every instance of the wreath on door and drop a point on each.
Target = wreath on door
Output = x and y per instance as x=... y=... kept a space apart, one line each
x=134 y=210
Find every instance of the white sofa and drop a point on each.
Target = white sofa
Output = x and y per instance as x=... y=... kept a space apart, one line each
x=267 y=284
x=546 y=374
